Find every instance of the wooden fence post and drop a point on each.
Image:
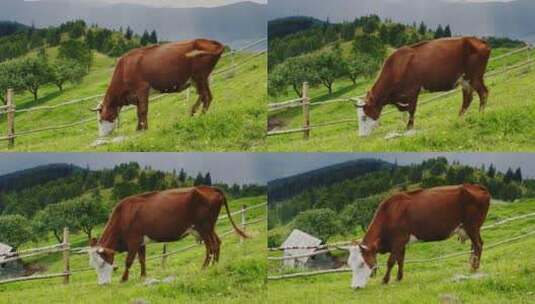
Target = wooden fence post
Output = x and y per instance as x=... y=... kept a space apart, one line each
x=164 y=256
x=66 y=252
x=10 y=118
x=243 y=220
x=306 y=111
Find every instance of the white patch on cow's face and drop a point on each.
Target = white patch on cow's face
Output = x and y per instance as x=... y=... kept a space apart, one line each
x=361 y=270
x=366 y=124
x=103 y=269
x=105 y=127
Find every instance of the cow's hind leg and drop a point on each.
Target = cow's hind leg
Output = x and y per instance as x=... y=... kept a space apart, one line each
x=477 y=247
x=217 y=246
x=141 y=257
x=412 y=112
x=205 y=95
x=208 y=243
x=468 y=95
x=483 y=92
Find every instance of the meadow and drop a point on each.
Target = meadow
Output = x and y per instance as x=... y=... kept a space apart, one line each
x=239 y=277
x=506 y=275
x=235 y=122
x=504 y=126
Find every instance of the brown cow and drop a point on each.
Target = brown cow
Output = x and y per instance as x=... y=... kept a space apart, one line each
x=438 y=65
x=165 y=216
x=425 y=215
x=167 y=68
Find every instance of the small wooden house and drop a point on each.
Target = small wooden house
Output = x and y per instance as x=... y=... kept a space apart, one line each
x=11 y=268
x=299 y=238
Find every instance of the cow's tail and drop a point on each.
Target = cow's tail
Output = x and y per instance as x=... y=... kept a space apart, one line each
x=238 y=230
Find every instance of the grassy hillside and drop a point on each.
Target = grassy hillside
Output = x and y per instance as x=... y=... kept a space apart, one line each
x=508 y=271
x=505 y=126
x=235 y=122
x=238 y=278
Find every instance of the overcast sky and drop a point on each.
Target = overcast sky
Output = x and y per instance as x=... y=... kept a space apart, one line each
x=253 y=167
x=169 y=3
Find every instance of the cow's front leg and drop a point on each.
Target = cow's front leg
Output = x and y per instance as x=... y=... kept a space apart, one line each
x=141 y=257
x=389 y=264
x=129 y=260
x=412 y=111
x=401 y=260
x=142 y=111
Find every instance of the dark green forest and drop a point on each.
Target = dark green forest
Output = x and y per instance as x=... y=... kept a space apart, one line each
x=351 y=202
x=43 y=200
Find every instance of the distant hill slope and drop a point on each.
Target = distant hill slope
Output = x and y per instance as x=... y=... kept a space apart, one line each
x=512 y=19
x=284 y=188
x=36 y=176
x=285 y=26
x=230 y=24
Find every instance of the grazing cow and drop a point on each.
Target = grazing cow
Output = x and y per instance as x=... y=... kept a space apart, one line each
x=437 y=65
x=167 y=68
x=165 y=216
x=427 y=215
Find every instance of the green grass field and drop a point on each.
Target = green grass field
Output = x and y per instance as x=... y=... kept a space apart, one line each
x=505 y=125
x=235 y=122
x=508 y=271
x=238 y=278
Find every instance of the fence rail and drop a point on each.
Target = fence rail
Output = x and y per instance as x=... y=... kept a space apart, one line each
x=10 y=109
x=304 y=101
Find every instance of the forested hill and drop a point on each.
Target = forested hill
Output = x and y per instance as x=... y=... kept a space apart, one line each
x=284 y=188
x=282 y=27
x=36 y=176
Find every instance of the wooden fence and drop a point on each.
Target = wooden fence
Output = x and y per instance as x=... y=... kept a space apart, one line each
x=10 y=108
x=63 y=247
x=304 y=101
x=67 y=251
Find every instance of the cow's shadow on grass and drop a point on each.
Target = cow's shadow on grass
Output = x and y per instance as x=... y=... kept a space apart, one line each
x=339 y=93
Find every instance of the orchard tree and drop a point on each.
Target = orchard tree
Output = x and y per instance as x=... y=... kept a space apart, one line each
x=328 y=67
x=77 y=51
x=34 y=73
x=361 y=65
x=64 y=71
x=15 y=230
x=292 y=72
x=321 y=223
x=89 y=213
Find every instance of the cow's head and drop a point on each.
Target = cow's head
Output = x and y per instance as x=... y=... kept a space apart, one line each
x=106 y=117
x=101 y=259
x=363 y=262
x=368 y=115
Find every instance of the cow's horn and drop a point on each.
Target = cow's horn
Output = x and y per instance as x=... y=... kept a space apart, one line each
x=98 y=108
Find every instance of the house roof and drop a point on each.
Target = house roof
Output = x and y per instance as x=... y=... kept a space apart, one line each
x=299 y=238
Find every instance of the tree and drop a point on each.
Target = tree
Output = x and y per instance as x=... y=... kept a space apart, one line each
x=492 y=171
x=64 y=71
x=53 y=218
x=292 y=72
x=34 y=73
x=207 y=179
x=517 y=176
x=53 y=37
x=153 y=37
x=145 y=38
x=327 y=67
x=508 y=177
x=447 y=31
x=321 y=223
x=89 y=213
x=182 y=176
x=199 y=180
x=125 y=189
x=129 y=33
x=77 y=51
x=422 y=29
x=361 y=65
x=371 y=45
x=15 y=230
x=439 y=33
